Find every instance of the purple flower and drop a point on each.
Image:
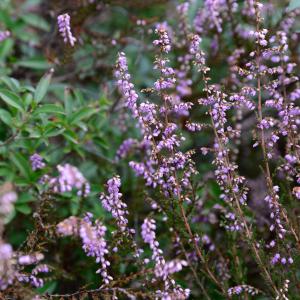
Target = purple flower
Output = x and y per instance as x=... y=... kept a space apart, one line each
x=113 y=203
x=237 y=290
x=70 y=177
x=162 y=269
x=125 y=86
x=125 y=148
x=4 y=35
x=275 y=259
x=64 y=28
x=164 y=41
x=30 y=259
x=94 y=244
x=37 y=162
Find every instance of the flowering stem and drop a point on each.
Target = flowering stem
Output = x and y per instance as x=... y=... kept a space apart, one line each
x=262 y=138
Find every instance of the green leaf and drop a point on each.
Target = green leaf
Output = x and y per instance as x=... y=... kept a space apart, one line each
x=83 y=113
x=74 y=208
x=48 y=287
x=35 y=21
x=21 y=163
x=7 y=172
x=43 y=86
x=12 y=83
x=6 y=117
x=6 y=48
x=68 y=101
x=23 y=208
x=49 y=109
x=71 y=136
x=24 y=198
x=53 y=131
x=10 y=216
x=34 y=63
x=11 y=99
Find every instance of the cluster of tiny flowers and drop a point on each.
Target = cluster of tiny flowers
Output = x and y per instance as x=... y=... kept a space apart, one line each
x=233 y=223
x=222 y=270
x=277 y=258
x=64 y=28
x=210 y=15
x=11 y=265
x=125 y=148
x=167 y=79
x=32 y=259
x=37 y=162
x=183 y=25
x=284 y=291
x=94 y=244
x=42 y=268
x=243 y=288
x=149 y=237
x=164 y=41
x=4 y=35
x=70 y=177
x=274 y=207
x=260 y=37
x=193 y=126
x=93 y=239
x=125 y=86
x=163 y=269
x=112 y=203
x=174 y=266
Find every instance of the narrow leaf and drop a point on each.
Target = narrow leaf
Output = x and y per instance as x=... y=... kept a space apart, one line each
x=12 y=83
x=5 y=116
x=43 y=86
x=49 y=109
x=11 y=99
x=82 y=114
x=21 y=163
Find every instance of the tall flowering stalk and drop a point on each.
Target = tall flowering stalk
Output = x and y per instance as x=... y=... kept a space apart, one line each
x=289 y=128
x=93 y=239
x=162 y=269
x=64 y=28
x=113 y=203
x=231 y=184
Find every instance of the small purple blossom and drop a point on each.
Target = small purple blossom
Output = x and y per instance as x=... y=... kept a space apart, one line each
x=4 y=35
x=37 y=162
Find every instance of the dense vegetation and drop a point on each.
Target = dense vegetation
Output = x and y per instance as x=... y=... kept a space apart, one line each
x=149 y=149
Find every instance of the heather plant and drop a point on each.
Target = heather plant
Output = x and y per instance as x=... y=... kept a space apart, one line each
x=150 y=149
